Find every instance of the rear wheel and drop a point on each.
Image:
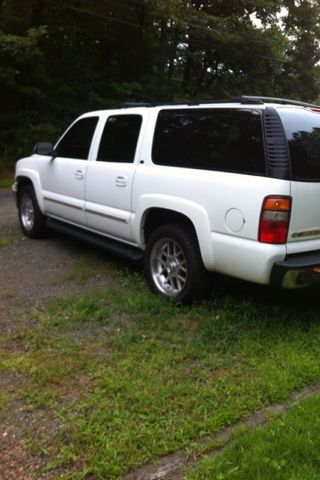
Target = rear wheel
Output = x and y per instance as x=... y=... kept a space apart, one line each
x=173 y=263
x=31 y=219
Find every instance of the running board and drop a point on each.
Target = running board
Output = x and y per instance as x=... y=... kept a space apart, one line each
x=104 y=243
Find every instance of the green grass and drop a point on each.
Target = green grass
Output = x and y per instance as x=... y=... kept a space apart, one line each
x=135 y=377
x=92 y=265
x=3 y=401
x=4 y=242
x=287 y=448
x=6 y=182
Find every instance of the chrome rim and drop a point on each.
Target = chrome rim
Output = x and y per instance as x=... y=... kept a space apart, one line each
x=168 y=267
x=27 y=212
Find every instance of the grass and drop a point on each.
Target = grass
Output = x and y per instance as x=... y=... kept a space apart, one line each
x=288 y=448
x=3 y=401
x=134 y=377
x=93 y=266
x=4 y=242
x=6 y=182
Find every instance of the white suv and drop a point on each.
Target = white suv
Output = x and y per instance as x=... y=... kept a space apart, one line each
x=230 y=187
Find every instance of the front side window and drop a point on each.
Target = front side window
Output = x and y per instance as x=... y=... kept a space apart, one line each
x=77 y=141
x=119 y=139
x=302 y=128
x=223 y=139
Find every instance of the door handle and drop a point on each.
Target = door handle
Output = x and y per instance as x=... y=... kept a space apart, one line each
x=121 y=181
x=79 y=175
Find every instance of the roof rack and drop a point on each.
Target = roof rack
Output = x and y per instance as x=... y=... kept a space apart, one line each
x=163 y=104
x=259 y=100
x=243 y=99
x=131 y=105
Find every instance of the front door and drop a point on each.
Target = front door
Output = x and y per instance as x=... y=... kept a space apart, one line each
x=63 y=177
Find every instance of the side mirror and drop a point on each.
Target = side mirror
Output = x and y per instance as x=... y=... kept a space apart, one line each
x=45 y=148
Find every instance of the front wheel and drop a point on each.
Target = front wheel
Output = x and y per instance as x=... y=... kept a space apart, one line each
x=31 y=219
x=173 y=263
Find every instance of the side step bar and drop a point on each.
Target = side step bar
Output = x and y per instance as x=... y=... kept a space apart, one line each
x=103 y=243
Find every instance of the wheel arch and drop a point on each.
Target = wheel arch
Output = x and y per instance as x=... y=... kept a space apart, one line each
x=156 y=212
x=156 y=217
x=30 y=178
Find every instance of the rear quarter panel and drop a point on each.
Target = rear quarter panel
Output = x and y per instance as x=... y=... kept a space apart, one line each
x=224 y=208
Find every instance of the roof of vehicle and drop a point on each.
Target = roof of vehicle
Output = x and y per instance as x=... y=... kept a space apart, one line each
x=250 y=100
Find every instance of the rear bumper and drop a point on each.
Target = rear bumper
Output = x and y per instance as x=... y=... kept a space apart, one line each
x=295 y=271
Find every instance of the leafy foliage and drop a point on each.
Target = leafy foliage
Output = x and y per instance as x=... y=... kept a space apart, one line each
x=59 y=59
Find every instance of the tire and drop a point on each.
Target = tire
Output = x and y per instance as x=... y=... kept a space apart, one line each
x=32 y=221
x=173 y=265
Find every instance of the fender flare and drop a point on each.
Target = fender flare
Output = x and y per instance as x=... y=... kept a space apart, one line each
x=35 y=180
x=193 y=211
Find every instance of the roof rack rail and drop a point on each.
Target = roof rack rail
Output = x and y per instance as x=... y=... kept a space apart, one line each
x=243 y=99
x=153 y=104
x=131 y=105
x=257 y=99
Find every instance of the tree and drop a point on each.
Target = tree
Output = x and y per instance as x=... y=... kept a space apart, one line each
x=22 y=84
x=301 y=73
x=59 y=59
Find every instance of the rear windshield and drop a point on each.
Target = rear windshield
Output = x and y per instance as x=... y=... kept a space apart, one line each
x=302 y=128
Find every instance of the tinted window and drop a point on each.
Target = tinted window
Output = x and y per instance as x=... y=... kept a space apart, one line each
x=303 y=132
x=76 y=142
x=119 y=139
x=211 y=139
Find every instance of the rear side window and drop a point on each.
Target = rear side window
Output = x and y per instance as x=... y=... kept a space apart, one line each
x=212 y=139
x=77 y=141
x=119 y=139
x=302 y=128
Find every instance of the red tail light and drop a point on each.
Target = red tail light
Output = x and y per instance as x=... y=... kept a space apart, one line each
x=274 y=219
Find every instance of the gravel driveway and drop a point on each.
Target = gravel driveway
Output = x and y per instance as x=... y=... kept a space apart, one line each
x=32 y=271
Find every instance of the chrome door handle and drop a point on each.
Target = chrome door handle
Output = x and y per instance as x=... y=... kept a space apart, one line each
x=79 y=175
x=121 y=181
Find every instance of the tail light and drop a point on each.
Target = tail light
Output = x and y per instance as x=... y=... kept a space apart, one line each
x=274 y=219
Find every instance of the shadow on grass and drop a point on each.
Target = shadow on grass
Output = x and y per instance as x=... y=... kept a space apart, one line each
x=266 y=295
x=239 y=290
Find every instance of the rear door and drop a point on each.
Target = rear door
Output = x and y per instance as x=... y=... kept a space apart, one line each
x=110 y=176
x=302 y=128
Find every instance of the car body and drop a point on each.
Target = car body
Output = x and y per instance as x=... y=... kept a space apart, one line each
x=231 y=187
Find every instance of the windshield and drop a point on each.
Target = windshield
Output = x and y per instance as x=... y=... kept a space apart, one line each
x=302 y=128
